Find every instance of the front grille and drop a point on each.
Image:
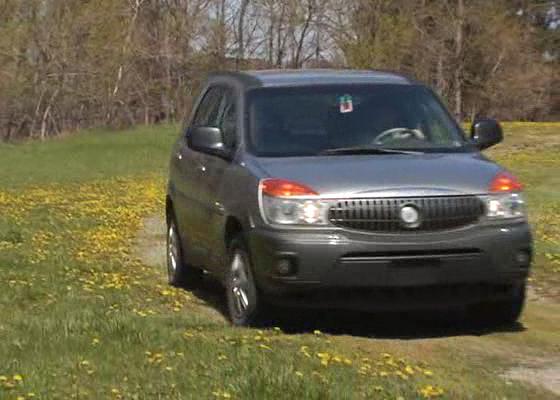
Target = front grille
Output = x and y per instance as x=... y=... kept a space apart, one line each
x=384 y=215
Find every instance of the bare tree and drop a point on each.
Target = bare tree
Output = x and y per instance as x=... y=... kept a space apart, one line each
x=120 y=62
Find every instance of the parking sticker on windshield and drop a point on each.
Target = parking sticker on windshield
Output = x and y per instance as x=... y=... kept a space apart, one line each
x=345 y=104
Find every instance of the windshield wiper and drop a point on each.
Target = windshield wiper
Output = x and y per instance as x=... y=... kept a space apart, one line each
x=366 y=150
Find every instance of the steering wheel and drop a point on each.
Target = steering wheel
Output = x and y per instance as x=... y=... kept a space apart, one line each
x=399 y=134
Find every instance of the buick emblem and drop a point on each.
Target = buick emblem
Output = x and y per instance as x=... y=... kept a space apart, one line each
x=410 y=216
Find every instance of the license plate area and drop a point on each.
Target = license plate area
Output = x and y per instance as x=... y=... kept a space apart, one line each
x=416 y=263
x=414 y=259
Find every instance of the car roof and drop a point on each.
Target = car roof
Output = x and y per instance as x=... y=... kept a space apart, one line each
x=307 y=77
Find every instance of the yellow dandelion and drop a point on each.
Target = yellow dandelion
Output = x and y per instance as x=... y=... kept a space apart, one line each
x=401 y=375
x=430 y=391
x=221 y=394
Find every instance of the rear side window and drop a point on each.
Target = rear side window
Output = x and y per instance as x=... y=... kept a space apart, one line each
x=208 y=109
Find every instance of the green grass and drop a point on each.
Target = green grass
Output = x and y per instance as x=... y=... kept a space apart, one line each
x=90 y=155
x=82 y=317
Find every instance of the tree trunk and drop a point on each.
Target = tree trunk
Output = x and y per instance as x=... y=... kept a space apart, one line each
x=271 y=41
x=440 y=80
x=240 y=36
x=125 y=46
x=459 y=59
x=318 y=32
x=47 y=116
x=310 y=9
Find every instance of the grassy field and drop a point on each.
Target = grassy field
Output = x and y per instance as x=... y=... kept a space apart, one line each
x=83 y=316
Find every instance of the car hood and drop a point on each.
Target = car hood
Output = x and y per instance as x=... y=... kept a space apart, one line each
x=384 y=175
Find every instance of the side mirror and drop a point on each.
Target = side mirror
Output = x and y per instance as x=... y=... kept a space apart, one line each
x=207 y=139
x=486 y=133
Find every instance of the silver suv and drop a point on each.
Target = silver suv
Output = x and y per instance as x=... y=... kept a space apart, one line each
x=343 y=189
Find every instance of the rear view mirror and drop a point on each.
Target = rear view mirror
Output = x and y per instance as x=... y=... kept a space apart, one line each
x=207 y=139
x=486 y=133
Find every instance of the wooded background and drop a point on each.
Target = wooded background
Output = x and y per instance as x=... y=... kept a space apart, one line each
x=71 y=64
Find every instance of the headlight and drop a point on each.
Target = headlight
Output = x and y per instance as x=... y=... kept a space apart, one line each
x=285 y=202
x=284 y=211
x=506 y=205
x=505 y=200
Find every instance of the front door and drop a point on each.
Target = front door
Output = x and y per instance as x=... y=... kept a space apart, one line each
x=190 y=165
x=212 y=181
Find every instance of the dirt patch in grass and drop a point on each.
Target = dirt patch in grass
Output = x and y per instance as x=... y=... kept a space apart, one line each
x=150 y=247
x=545 y=293
x=545 y=375
x=150 y=242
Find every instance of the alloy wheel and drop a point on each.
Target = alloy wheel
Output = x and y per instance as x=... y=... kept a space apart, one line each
x=172 y=252
x=240 y=285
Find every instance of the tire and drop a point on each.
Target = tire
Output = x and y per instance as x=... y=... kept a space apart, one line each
x=179 y=272
x=244 y=305
x=500 y=313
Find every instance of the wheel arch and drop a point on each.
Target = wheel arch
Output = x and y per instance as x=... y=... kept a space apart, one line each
x=233 y=227
x=169 y=211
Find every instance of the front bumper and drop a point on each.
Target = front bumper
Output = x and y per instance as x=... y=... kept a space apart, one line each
x=480 y=256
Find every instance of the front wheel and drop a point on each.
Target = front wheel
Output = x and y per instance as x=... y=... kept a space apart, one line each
x=243 y=302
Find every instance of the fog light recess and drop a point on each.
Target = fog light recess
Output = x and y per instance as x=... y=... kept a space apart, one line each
x=285 y=267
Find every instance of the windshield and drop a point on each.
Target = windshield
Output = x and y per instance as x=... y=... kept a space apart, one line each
x=316 y=120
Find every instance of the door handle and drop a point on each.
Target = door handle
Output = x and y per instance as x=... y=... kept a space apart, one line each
x=201 y=168
x=219 y=207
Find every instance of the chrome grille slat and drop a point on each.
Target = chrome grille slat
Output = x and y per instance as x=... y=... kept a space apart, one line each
x=382 y=215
